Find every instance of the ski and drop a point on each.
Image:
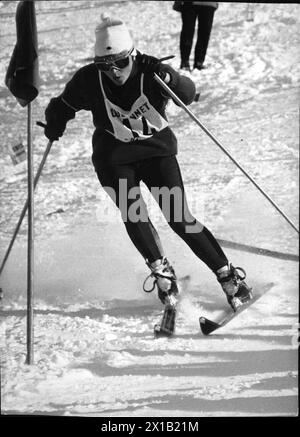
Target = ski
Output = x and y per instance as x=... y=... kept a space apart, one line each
x=208 y=326
x=167 y=325
x=166 y=328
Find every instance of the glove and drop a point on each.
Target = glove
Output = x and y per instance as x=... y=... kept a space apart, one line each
x=56 y=114
x=52 y=132
x=150 y=64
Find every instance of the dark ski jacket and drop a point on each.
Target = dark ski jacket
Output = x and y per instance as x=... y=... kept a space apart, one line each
x=83 y=92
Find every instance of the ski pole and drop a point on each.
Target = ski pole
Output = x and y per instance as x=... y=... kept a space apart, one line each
x=39 y=171
x=190 y=113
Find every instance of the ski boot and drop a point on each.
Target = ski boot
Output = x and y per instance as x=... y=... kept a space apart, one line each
x=232 y=282
x=185 y=66
x=199 y=66
x=165 y=280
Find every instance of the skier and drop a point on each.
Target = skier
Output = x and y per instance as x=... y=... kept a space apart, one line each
x=132 y=142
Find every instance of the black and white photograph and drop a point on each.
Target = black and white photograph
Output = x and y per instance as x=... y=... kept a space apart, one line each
x=149 y=211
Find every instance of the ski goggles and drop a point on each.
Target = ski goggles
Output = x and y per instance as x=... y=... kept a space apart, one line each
x=118 y=63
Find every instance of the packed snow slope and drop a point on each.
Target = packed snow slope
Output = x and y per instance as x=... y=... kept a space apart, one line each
x=94 y=351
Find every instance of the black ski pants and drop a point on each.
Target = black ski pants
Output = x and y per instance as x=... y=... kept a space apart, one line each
x=189 y=16
x=162 y=177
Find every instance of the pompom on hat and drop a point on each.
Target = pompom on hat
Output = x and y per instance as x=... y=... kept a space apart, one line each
x=112 y=38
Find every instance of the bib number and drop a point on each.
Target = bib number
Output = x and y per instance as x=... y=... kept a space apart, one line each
x=141 y=125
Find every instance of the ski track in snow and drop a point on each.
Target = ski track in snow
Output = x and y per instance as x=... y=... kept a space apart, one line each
x=109 y=365
x=94 y=351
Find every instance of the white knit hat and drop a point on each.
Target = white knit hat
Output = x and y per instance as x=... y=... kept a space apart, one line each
x=112 y=37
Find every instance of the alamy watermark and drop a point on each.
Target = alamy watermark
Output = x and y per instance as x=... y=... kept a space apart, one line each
x=137 y=204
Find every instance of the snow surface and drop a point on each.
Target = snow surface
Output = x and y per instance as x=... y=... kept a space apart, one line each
x=94 y=351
